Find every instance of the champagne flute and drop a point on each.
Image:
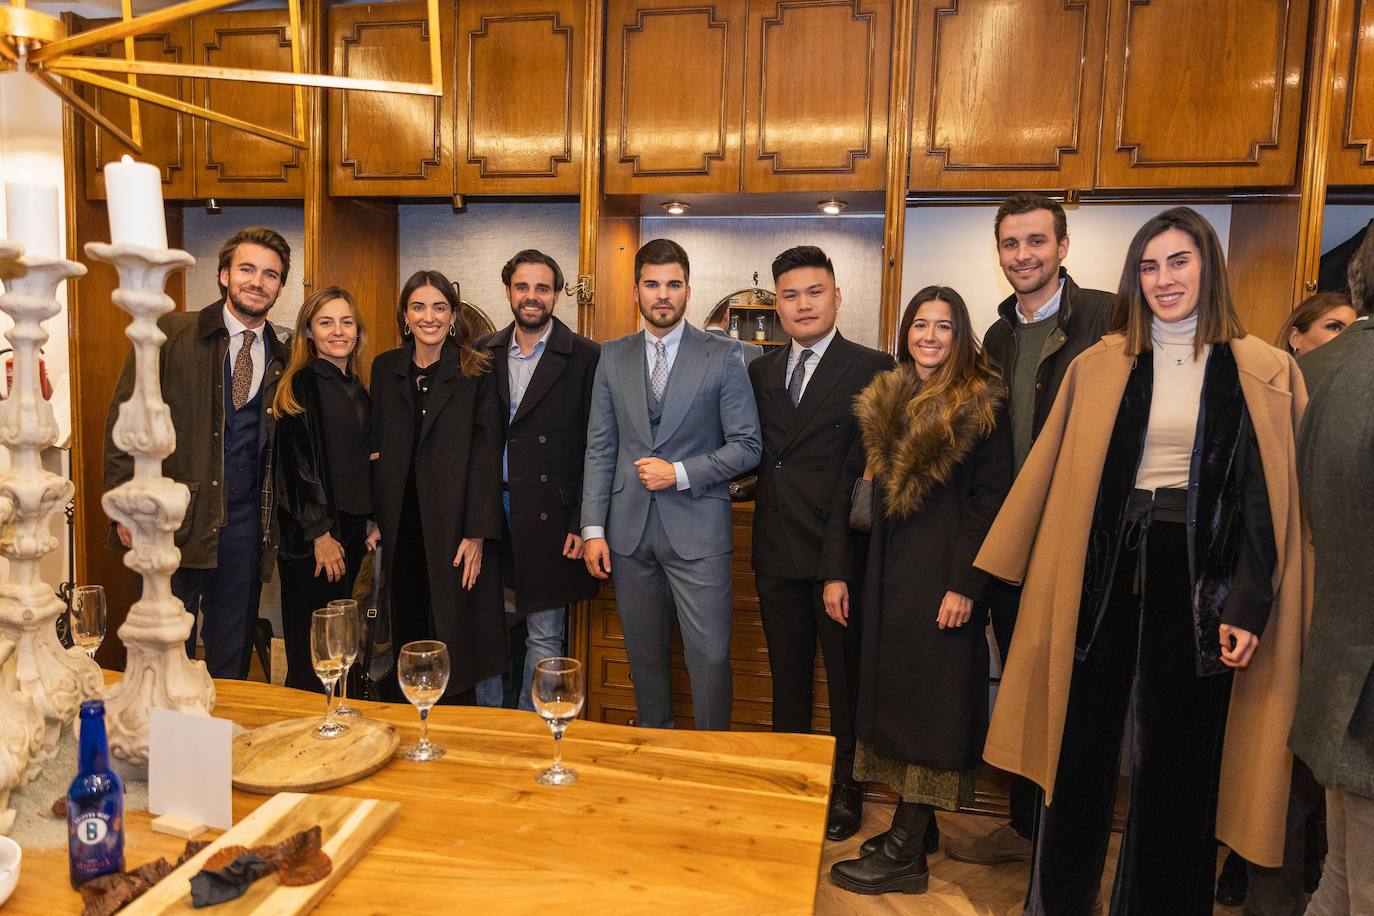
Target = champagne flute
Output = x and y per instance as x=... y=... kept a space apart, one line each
x=328 y=646
x=558 y=691
x=86 y=619
x=422 y=669
x=350 y=609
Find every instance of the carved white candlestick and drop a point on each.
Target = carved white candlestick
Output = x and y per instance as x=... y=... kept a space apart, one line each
x=151 y=506
x=50 y=680
x=21 y=724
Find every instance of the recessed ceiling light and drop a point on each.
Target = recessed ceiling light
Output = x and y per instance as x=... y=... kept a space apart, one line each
x=676 y=207
x=831 y=206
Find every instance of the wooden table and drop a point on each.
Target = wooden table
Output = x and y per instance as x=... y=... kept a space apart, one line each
x=665 y=821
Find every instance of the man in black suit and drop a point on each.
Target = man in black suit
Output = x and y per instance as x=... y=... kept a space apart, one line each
x=804 y=394
x=544 y=375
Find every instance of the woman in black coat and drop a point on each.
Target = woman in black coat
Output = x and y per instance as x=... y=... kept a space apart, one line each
x=437 y=484
x=324 y=492
x=935 y=441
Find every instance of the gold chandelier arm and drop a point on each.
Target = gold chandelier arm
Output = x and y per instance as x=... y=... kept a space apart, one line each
x=124 y=29
x=166 y=101
x=293 y=12
x=135 y=115
x=86 y=110
x=195 y=71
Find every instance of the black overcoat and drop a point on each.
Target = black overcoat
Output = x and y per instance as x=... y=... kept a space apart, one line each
x=458 y=480
x=546 y=441
x=923 y=691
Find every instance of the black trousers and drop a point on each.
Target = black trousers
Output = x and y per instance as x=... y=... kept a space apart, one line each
x=1003 y=602
x=302 y=592
x=227 y=596
x=1143 y=657
x=794 y=618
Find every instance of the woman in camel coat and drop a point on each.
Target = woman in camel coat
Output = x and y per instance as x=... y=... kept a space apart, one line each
x=1194 y=603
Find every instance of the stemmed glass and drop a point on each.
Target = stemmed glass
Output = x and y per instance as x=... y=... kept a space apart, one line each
x=86 y=619
x=558 y=691
x=422 y=669
x=329 y=635
x=350 y=609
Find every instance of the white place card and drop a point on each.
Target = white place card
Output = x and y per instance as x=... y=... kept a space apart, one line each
x=190 y=764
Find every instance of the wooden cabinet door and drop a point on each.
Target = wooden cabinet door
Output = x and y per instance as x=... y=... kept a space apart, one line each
x=1202 y=93
x=674 y=90
x=521 y=80
x=231 y=163
x=816 y=93
x=382 y=143
x=166 y=133
x=1006 y=94
x=1351 y=157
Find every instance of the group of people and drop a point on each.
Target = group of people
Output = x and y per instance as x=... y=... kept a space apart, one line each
x=1122 y=484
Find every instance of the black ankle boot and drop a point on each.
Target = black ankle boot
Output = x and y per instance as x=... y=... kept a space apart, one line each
x=932 y=839
x=899 y=864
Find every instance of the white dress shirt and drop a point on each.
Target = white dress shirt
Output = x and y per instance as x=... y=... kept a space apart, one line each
x=817 y=351
x=519 y=370
x=258 y=350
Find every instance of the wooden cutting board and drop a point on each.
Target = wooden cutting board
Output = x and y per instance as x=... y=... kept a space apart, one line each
x=288 y=757
x=348 y=826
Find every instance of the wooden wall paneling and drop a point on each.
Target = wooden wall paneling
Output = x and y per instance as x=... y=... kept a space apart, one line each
x=816 y=95
x=899 y=146
x=167 y=134
x=674 y=92
x=615 y=313
x=590 y=196
x=1351 y=159
x=384 y=144
x=230 y=163
x=1006 y=95
x=520 y=83
x=1262 y=261
x=1202 y=93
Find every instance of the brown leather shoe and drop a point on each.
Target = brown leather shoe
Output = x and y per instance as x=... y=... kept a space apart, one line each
x=1001 y=845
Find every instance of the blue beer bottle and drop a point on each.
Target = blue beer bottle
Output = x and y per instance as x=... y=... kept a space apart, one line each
x=95 y=804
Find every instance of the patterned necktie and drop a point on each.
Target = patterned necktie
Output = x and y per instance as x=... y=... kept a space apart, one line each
x=243 y=370
x=794 y=387
x=659 y=378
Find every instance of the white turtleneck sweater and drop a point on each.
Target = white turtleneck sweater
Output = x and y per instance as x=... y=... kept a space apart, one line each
x=1174 y=405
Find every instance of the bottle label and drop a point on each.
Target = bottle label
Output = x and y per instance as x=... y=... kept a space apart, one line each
x=91 y=829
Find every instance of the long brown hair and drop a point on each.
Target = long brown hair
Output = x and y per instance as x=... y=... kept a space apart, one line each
x=966 y=375
x=1307 y=312
x=303 y=348
x=471 y=361
x=1217 y=321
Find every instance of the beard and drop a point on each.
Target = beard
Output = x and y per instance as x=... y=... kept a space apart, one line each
x=528 y=323
x=663 y=321
x=245 y=308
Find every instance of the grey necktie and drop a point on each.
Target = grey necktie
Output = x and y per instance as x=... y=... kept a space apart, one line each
x=659 y=378
x=794 y=387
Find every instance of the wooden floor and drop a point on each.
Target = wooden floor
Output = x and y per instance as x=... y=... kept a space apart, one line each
x=955 y=887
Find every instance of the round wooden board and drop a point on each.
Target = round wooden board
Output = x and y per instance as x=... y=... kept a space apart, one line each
x=288 y=757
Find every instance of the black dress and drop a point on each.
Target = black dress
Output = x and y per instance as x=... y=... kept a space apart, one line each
x=324 y=487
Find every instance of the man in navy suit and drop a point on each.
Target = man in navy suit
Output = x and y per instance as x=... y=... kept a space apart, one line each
x=672 y=420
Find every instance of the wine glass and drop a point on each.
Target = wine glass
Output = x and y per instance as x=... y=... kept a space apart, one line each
x=350 y=609
x=558 y=691
x=422 y=669
x=86 y=619
x=329 y=634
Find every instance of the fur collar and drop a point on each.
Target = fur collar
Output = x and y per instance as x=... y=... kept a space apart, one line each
x=911 y=448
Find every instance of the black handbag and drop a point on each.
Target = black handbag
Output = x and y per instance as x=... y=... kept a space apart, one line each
x=373 y=604
x=861 y=506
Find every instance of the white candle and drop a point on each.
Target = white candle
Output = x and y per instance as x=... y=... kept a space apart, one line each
x=133 y=193
x=31 y=217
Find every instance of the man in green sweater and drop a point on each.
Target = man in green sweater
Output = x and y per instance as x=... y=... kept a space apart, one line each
x=1046 y=322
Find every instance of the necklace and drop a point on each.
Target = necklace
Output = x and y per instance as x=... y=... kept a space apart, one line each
x=1178 y=361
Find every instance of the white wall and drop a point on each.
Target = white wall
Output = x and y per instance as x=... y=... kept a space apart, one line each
x=954 y=246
